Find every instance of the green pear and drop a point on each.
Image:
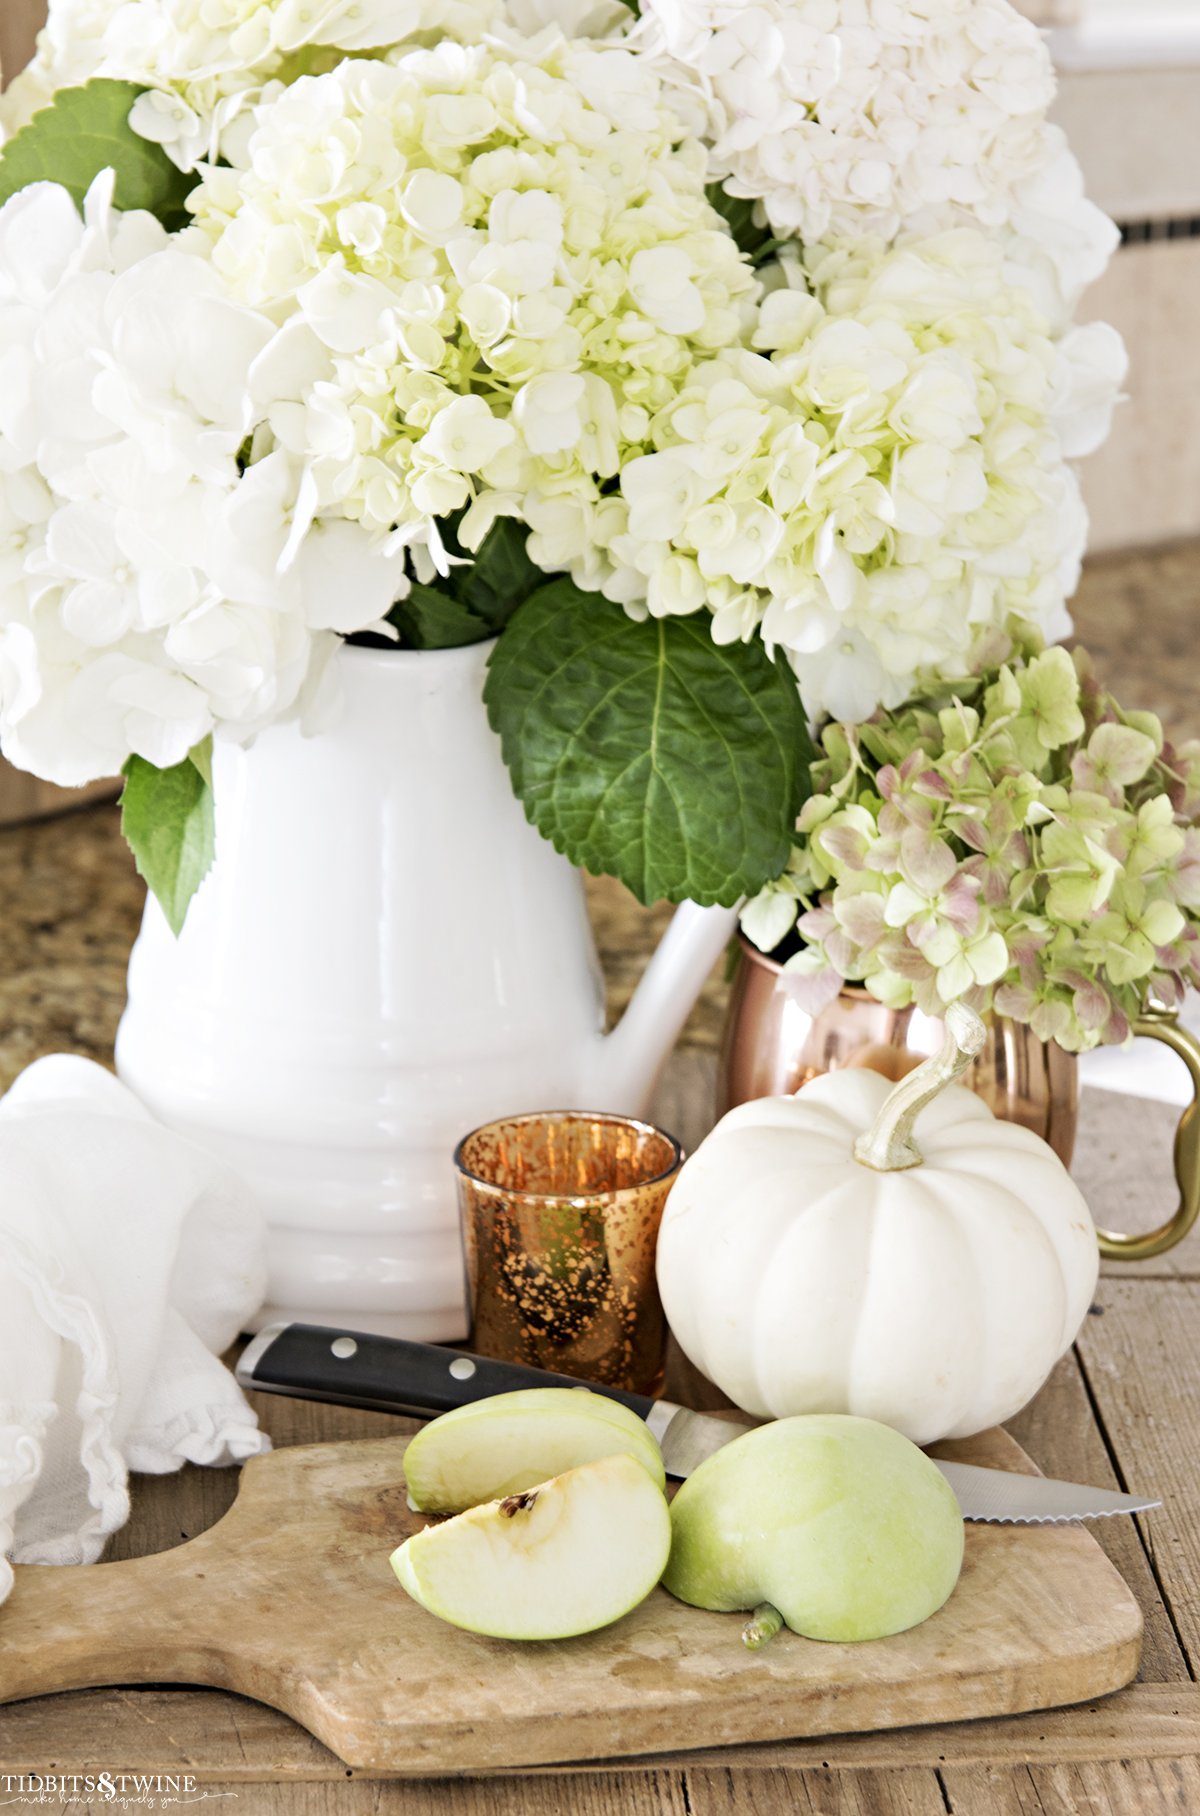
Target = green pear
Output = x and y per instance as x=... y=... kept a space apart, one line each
x=503 y=1445
x=562 y=1558
x=838 y=1525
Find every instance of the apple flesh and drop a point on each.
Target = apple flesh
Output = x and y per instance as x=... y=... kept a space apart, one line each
x=839 y=1525
x=508 y=1443
x=562 y=1558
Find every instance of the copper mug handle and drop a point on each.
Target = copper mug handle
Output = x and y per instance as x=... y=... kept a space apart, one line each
x=1163 y=1024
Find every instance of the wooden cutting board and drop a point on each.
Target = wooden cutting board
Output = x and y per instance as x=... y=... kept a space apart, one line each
x=290 y=1600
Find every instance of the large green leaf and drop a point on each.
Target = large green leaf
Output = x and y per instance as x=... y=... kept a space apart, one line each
x=167 y=819
x=84 y=131
x=645 y=750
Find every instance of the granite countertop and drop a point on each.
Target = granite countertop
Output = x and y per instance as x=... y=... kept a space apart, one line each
x=70 y=899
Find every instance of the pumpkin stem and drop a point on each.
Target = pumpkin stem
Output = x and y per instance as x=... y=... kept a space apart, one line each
x=763 y=1627
x=889 y=1146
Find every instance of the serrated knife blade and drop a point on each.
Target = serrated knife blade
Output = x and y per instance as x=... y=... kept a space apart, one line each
x=1021 y=1500
x=688 y=1438
x=353 y=1368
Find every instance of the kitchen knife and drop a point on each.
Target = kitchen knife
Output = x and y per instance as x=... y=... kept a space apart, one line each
x=388 y=1374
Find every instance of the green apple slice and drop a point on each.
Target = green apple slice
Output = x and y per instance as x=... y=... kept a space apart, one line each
x=511 y=1442
x=562 y=1558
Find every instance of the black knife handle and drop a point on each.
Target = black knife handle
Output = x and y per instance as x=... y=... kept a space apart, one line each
x=388 y=1374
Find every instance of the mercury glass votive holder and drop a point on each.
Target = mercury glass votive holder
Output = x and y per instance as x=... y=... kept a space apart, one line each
x=560 y=1214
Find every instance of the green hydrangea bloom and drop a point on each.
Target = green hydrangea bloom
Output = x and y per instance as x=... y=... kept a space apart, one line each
x=1018 y=842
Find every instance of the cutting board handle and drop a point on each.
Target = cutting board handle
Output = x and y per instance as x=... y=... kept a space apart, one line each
x=212 y=1610
x=146 y=1620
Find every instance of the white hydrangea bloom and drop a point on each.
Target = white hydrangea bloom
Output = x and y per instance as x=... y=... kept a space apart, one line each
x=490 y=267
x=876 y=487
x=206 y=62
x=850 y=118
x=150 y=591
x=484 y=278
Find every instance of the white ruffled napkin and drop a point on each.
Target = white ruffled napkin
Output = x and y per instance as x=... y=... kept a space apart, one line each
x=129 y=1259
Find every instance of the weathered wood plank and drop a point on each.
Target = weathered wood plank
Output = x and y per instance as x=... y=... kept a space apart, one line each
x=1143 y=1366
x=591 y=1794
x=1060 y=1434
x=1124 y=1166
x=814 y=1793
x=1127 y=1788
x=646 y=1794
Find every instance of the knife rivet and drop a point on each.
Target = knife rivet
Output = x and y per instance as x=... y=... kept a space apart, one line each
x=343 y=1348
x=462 y=1368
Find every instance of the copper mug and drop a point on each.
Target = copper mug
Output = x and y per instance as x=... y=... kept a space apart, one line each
x=772 y=1046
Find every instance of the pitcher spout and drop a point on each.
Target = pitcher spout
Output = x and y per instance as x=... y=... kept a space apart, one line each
x=630 y=1060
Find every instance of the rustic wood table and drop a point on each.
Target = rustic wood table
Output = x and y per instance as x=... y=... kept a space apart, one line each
x=1123 y=1409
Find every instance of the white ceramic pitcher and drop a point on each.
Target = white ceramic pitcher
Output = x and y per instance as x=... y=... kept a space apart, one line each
x=385 y=955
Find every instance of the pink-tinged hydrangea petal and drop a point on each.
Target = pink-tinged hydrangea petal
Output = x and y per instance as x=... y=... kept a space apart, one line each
x=995 y=880
x=926 y=861
x=1168 y=988
x=883 y=857
x=910 y=963
x=1092 y=1004
x=841 y=951
x=861 y=917
x=811 y=982
x=845 y=845
x=960 y=904
x=924 y=931
x=816 y=924
x=930 y=783
x=1016 y=1001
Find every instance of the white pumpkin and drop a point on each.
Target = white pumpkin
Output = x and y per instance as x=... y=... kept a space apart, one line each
x=813 y=1259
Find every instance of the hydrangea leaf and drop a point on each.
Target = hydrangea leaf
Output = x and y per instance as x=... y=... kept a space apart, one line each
x=431 y=618
x=202 y=758
x=502 y=576
x=646 y=750
x=167 y=819
x=84 y=131
x=473 y=601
